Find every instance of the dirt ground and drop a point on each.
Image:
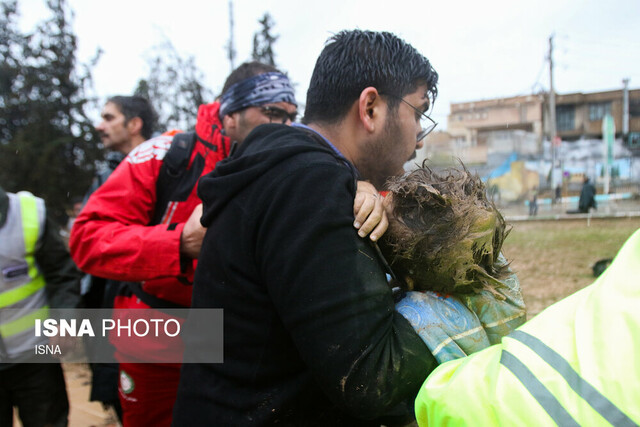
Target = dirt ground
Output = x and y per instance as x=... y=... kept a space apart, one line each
x=84 y=413
x=554 y=259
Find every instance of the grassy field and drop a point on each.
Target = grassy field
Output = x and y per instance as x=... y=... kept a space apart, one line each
x=554 y=258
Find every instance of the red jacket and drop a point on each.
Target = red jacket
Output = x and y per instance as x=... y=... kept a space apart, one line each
x=111 y=237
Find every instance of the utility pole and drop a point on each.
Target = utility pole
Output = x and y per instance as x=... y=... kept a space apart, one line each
x=625 y=110
x=231 y=51
x=552 y=115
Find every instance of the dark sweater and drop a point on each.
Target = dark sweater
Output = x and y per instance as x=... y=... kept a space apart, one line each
x=311 y=336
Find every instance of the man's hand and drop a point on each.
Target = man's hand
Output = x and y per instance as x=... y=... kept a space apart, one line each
x=192 y=234
x=369 y=211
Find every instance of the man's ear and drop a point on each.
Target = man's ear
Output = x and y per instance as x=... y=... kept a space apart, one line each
x=369 y=109
x=134 y=126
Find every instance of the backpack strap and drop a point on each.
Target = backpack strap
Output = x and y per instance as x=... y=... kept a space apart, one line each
x=172 y=172
x=174 y=184
x=135 y=288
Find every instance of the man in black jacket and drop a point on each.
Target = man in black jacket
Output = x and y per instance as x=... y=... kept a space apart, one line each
x=311 y=336
x=587 y=196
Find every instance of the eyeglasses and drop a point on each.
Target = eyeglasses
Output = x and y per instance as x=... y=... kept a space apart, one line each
x=426 y=122
x=276 y=114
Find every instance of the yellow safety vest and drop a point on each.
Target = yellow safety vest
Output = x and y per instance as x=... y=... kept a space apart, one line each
x=22 y=285
x=576 y=363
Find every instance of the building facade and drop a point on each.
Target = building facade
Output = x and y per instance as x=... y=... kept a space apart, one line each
x=478 y=128
x=579 y=115
x=491 y=136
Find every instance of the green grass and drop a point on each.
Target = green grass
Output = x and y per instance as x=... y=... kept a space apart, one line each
x=554 y=258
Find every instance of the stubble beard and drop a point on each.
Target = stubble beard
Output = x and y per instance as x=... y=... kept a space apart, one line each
x=374 y=165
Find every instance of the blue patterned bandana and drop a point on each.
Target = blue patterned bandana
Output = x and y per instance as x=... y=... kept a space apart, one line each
x=258 y=90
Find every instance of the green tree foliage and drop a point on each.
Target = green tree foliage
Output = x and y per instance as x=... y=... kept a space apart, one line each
x=174 y=87
x=263 y=41
x=46 y=139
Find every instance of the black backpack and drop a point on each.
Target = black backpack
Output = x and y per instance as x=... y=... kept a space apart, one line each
x=174 y=184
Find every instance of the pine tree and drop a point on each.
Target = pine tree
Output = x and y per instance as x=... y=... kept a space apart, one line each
x=263 y=41
x=47 y=142
x=174 y=88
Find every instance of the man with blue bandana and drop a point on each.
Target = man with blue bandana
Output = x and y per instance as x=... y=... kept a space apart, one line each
x=264 y=98
x=163 y=258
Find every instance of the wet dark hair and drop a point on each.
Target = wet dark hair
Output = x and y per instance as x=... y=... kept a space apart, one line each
x=247 y=70
x=354 y=60
x=137 y=106
x=444 y=234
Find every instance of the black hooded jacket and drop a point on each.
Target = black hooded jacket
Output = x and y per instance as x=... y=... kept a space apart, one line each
x=311 y=336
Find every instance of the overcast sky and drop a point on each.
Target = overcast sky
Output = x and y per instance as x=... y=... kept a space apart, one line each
x=481 y=49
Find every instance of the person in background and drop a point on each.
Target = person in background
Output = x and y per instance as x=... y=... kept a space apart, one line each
x=127 y=121
x=558 y=194
x=587 y=196
x=37 y=274
x=533 y=202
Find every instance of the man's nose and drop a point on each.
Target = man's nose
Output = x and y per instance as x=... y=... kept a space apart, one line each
x=420 y=144
x=100 y=127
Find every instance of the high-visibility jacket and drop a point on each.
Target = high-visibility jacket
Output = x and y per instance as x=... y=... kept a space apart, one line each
x=22 y=284
x=576 y=363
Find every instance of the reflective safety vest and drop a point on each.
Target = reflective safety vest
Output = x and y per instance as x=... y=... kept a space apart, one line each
x=22 y=285
x=576 y=363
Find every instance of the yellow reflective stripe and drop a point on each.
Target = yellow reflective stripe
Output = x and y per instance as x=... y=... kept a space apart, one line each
x=30 y=230
x=18 y=294
x=30 y=221
x=538 y=390
x=599 y=402
x=24 y=323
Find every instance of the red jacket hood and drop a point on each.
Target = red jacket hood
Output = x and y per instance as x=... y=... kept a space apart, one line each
x=209 y=127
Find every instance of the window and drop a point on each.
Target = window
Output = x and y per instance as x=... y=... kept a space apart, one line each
x=598 y=110
x=565 y=117
x=634 y=107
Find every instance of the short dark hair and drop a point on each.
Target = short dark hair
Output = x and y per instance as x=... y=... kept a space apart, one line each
x=444 y=234
x=354 y=60
x=247 y=70
x=137 y=106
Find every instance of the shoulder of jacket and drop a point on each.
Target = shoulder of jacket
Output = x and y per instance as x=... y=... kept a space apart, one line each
x=155 y=148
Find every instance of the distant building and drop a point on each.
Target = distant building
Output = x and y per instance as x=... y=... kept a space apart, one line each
x=487 y=135
x=478 y=122
x=579 y=115
x=478 y=128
